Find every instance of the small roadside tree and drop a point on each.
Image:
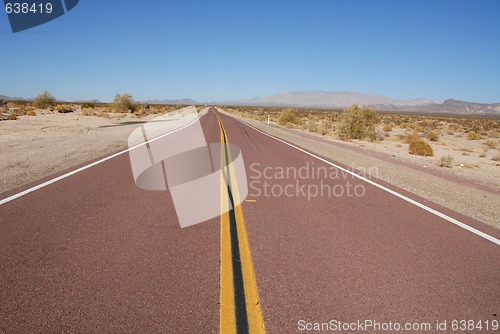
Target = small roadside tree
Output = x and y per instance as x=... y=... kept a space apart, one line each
x=358 y=123
x=124 y=103
x=44 y=100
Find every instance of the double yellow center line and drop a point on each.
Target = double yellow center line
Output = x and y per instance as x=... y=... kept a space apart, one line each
x=240 y=310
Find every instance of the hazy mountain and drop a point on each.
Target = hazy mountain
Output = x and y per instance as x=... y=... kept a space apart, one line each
x=184 y=101
x=340 y=100
x=88 y=101
x=449 y=107
x=7 y=98
x=327 y=100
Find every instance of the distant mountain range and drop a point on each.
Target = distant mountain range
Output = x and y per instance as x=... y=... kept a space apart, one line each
x=179 y=101
x=88 y=101
x=340 y=100
x=321 y=99
x=6 y=98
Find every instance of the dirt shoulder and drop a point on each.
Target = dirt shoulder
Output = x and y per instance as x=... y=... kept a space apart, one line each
x=471 y=196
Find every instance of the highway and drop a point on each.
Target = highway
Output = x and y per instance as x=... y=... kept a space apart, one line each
x=310 y=244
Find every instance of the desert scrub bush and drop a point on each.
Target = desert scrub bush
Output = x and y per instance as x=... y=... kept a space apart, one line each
x=87 y=105
x=20 y=111
x=44 y=100
x=420 y=147
x=412 y=137
x=496 y=157
x=324 y=130
x=387 y=128
x=289 y=116
x=432 y=135
x=313 y=127
x=11 y=118
x=31 y=113
x=491 y=144
x=124 y=103
x=63 y=109
x=88 y=112
x=472 y=135
x=101 y=113
x=446 y=161
x=358 y=123
x=290 y=125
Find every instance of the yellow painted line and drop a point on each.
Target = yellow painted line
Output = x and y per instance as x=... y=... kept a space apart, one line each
x=227 y=321
x=227 y=312
x=250 y=200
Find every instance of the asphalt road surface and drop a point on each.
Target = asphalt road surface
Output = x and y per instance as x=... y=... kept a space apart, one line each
x=93 y=253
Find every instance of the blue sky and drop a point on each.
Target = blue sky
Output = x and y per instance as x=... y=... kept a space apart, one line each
x=219 y=50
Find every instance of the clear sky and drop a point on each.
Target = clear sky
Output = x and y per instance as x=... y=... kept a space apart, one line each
x=218 y=50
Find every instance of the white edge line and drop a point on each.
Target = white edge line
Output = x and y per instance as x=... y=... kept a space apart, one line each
x=73 y=172
x=390 y=191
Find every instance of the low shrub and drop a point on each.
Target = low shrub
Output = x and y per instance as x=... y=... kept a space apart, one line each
x=63 y=109
x=124 y=103
x=420 y=147
x=412 y=137
x=387 y=128
x=313 y=127
x=288 y=116
x=473 y=136
x=358 y=123
x=44 y=100
x=491 y=144
x=88 y=112
x=446 y=161
x=432 y=135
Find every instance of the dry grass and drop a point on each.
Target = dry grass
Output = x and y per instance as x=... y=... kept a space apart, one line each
x=446 y=161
